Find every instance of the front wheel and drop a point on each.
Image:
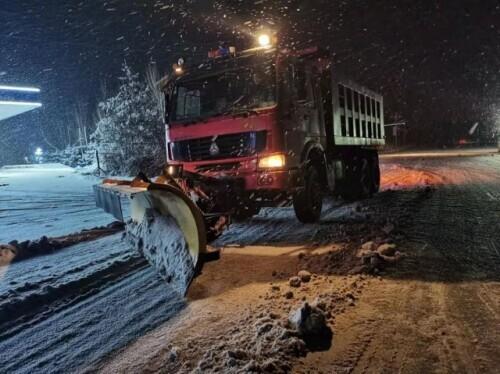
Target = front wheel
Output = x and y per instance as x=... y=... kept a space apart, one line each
x=308 y=201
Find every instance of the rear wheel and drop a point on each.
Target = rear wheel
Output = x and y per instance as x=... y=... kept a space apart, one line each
x=375 y=172
x=358 y=183
x=308 y=201
x=365 y=178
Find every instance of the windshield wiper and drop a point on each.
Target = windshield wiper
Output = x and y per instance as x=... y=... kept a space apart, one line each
x=193 y=120
x=236 y=110
x=238 y=100
x=242 y=111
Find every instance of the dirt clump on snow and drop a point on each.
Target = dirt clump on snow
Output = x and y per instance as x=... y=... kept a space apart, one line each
x=373 y=261
x=18 y=251
x=386 y=249
x=310 y=323
x=7 y=254
x=363 y=248
x=294 y=281
x=304 y=276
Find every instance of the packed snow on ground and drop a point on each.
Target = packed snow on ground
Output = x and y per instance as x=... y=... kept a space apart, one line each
x=66 y=311
x=279 y=225
x=46 y=199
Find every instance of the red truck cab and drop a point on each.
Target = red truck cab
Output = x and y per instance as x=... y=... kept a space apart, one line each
x=259 y=129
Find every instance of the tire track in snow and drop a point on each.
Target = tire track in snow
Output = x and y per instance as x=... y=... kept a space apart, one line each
x=68 y=310
x=78 y=337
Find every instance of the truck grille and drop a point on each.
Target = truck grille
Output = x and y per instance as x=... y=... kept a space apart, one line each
x=219 y=147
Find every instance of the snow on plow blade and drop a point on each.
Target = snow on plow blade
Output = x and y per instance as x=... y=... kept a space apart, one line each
x=164 y=224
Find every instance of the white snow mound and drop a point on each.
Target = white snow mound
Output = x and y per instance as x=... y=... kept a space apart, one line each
x=159 y=239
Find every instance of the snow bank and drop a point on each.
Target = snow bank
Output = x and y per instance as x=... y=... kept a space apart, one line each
x=44 y=245
x=26 y=168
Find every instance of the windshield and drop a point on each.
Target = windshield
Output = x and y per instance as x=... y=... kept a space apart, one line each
x=229 y=92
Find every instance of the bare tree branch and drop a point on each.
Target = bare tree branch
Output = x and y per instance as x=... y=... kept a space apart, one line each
x=153 y=78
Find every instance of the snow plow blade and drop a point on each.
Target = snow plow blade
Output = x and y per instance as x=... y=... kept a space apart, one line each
x=164 y=199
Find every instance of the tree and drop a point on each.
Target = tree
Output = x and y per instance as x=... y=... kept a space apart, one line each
x=81 y=121
x=153 y=78
x=130 y=133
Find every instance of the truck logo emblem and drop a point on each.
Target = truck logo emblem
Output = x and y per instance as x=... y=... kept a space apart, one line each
x=214 y=148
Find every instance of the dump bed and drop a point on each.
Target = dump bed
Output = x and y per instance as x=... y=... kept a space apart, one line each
x=358 y=114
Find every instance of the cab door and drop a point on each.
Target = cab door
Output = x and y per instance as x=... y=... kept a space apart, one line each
x=300 y=113
x=306 y=99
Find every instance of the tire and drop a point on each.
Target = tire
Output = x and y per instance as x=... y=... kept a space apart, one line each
x=308 y=201
x=375 y=171
x=365 y=178
x=358 y=182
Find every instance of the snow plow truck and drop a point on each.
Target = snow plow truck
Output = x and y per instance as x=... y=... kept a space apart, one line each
x=260 y=128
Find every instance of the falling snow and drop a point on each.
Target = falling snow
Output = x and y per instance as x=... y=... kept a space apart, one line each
x=434 y=70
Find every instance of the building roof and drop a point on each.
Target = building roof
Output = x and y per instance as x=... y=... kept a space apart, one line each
x=17 y=100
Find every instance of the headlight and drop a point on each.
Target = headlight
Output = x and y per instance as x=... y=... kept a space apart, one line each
x=264 y=40
x=178 y=70
x=272 y=162
x=174 y=170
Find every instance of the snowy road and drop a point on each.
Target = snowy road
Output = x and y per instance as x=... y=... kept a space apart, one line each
x=436 y=311
x=48 y=199
x=70 y=309
x=67 y=311
x=439 y=311
x=64 y=312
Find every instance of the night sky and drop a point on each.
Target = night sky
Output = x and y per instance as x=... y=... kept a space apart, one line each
x=435 y=61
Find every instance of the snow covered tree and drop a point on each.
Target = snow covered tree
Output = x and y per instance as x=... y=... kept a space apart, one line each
x=129 y=132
